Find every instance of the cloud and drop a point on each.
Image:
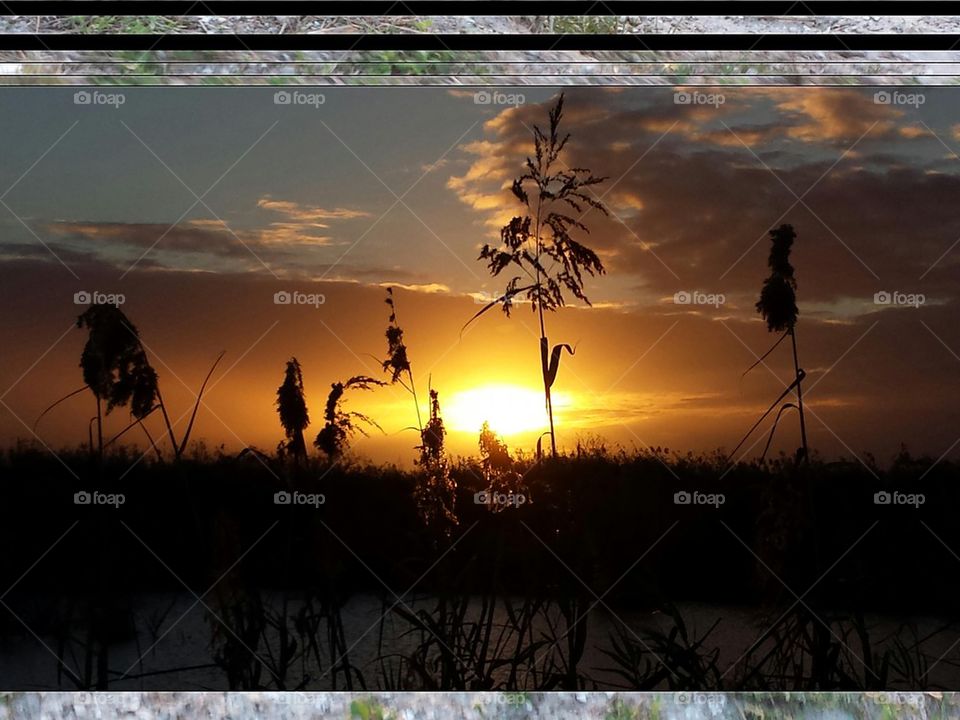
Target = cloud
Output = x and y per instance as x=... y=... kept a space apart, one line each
x=692 y=209
x=308 y=213
x=428 y=288
x=279 y=244
x=430 y=167
x=291 y=233
x=485 y=187
x=274 y=234
x=914 y=131
x=201 y=238
x=194 y=237
x=838 y=115
x=302 y=223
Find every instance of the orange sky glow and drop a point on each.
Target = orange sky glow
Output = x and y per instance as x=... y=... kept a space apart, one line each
x=341 y=205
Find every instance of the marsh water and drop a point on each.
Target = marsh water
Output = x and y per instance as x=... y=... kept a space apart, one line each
x=173 y=640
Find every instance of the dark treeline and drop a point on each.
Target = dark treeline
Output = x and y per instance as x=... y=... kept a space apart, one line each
x=598 y=512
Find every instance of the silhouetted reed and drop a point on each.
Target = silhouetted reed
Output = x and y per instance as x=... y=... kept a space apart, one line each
x=778 y=306
x=118 y=373
x=342 y=424
x=540 y=244
x=292 y=408
x=434 y=493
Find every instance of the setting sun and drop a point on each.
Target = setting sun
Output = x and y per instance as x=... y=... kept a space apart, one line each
x=510 y=409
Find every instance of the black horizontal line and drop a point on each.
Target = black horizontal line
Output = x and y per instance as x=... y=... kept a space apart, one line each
x=479 y=7
x=476 y=42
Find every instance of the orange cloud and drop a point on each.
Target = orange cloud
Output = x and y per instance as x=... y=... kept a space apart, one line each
x=276 y=233
x=430 y=167
x=428 y=288
x=914 y=131
x=308 y=213
x=838 y=115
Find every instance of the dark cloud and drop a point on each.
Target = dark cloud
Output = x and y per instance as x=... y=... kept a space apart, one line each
x=695 y=210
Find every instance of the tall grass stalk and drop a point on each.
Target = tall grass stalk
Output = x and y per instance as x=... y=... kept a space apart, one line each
x=398 y=362
x=540 y=244
x=778 y=306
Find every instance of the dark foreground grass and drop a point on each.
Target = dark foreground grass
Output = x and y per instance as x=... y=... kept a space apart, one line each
x=506 y=596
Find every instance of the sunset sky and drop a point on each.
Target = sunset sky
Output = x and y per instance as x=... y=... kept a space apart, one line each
x=199 y=204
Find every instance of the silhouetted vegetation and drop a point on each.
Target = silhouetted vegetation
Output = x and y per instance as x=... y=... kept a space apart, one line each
x=778 y=306
x=292 y=408
x=342 y=424
x=539 y=244
x=397 y=363
x=434 y=491
x=115 y=366
x=504 y=608
x=499 y=467
x=117 y=371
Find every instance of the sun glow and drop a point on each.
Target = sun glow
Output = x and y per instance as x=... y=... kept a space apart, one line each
x=510 y=409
